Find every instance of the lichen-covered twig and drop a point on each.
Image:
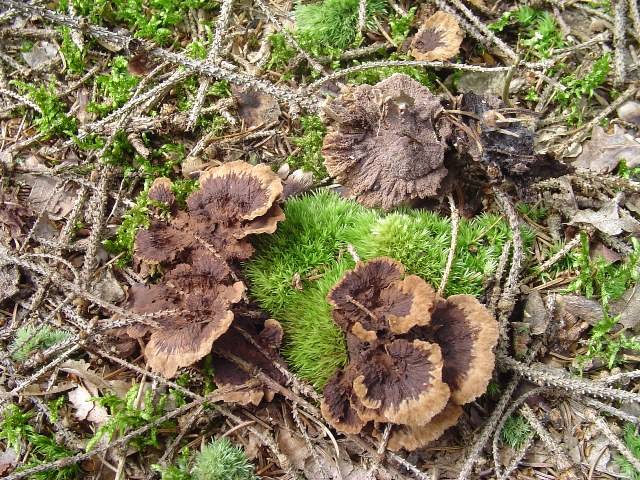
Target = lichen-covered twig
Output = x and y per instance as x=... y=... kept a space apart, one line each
x=362 y=15
x=508 y=298
x=603 y=407
x=614 y=441
x=455 y=221
x=497 y=286
x=473 y=455
x=563 y=463
x=540 y=375
x=634 y=13
x=619 y=26
x=221 y=27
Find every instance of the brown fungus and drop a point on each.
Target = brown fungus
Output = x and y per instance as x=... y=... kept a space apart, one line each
x=439 y=38
x=467 y=333
x=338 y=400
x=374 y=297
x=190 y=308
x=387 y=144
x=413 y=437
x=414 y=358
x=402 y=382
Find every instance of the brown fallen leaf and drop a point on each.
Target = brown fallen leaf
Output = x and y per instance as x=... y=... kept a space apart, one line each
x=41 y=54
x=610 y=219
x=603 y=152
x=8 y=460
x=9 y=278
x=85 y=409
x=47 y=195
x=628 y=307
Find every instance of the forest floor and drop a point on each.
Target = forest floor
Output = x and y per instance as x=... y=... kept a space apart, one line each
x=100 y=98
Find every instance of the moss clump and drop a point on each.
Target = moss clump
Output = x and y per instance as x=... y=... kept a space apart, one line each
x=333 y=23
x=294 y=269
x=29 y=338
x=221 y=460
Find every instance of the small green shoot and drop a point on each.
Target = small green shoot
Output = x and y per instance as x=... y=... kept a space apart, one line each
x=116 y=88
x=516 y=431
x=578 y=89
x=221 y=460
x=602 y=279
x=281 y=52
x=400 y=26
x=309 y=143
x=607 y=346
x=632 y=441
x=73 y=56
x=179 y=471
x=124 y=415
x=333 y=23
x=123 y=241
x=53 y=119
x=29 y=339
x=627 y=172
x=42 y=449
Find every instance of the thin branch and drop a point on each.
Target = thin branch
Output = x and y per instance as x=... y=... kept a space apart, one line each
x=540 y=375
x=455 y=221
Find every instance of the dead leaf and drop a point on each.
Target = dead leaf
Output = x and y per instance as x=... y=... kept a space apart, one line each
x=41 y=54
x=9 y=278
x=599 y=249
x=85 y=409
x=609 y=219
x=81 y=369
x=255 y=108
x=535 y=313
x=8 y=460
x=293 y=447
x=628 y=307
x=47 y=194
x=108 y=288
x=603 y=152
x=629 y=112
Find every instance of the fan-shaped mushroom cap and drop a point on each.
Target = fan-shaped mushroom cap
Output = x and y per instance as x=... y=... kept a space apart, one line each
x=467 y=333
x=160 y=191
x=402 y=381
x=374 y=298
x=439 y=38
x=412 y=437
x=388 y=145
x=161 y=242
x=336 y=405
x=186 y=337
x=234 y=192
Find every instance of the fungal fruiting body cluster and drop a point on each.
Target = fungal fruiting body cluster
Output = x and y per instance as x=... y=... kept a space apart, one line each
x=414 y=358
x=196 y=249
x=395 y=142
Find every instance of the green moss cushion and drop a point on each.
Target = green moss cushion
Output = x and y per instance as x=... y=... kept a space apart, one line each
x=294 y=269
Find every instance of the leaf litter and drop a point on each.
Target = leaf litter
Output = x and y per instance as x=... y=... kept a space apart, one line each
x=98 y=116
